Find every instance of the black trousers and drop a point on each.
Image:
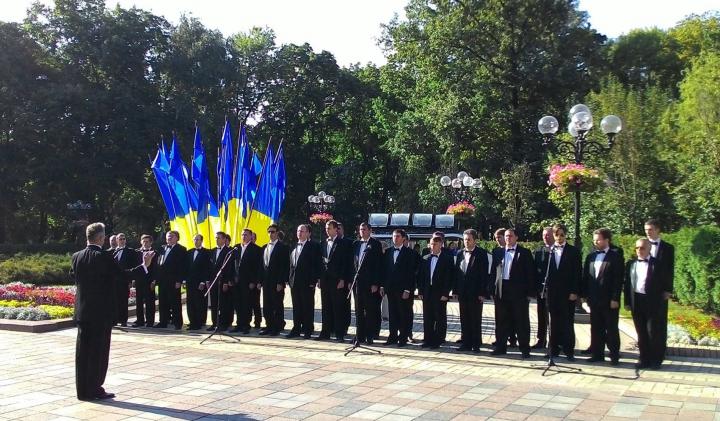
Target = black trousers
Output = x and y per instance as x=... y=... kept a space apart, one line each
x=255 y=308
x=241 y=295
x=400 y=314
x=434 y=319
x=170 y=304
x=650 y=319
x=92 y=350
x=303 y=302
x=122 y=294
x=604 y=330
x=471 y=309
x=335 y=309
x=543 y=318
x=196 y=306
x=367 y=312
x=512 y=314
x=144 y=303
x=562 y=325
x=273 y=307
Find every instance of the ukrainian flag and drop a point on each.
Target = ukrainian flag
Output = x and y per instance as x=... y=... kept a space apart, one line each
x=225 y=175
x=262 y=207
x=208 y=217
x=185 y=198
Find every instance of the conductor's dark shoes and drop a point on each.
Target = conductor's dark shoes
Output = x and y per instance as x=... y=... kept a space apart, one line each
x=106 y=395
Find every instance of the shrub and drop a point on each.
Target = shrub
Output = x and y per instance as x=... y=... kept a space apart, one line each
x=38 y=269
x=23 y=313
x=57 y=312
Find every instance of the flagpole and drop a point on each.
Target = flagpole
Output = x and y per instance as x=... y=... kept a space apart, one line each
x=257 y=188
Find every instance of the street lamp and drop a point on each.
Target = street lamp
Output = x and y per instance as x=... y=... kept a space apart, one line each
x=321 y=202
x=461 y=185
x=581 y=121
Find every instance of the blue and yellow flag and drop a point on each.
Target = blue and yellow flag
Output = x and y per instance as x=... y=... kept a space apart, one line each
x=225 y=173
x=208 y=220
x=160 y=168
x=279 y=184
x=262 y=206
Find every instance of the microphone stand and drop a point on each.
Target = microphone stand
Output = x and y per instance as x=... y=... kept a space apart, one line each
x=356 y=343
x=551 y=365
x=217 y=308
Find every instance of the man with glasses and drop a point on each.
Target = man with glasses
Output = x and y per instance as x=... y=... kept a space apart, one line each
x=276 y=268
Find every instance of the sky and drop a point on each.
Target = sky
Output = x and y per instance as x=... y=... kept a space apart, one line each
x=350 y=28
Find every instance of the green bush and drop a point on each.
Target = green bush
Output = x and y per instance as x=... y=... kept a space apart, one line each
x=51 y=248
x=57 y=312
x=38 y=269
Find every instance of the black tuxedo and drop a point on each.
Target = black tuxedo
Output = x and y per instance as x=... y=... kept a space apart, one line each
x=471 y=287
x=276 y=269
x=649 y=309
x=144 y=292
x=432 y=286
x=399 y=275
x=562 y=281
x=599 y=287
x=543 y=317
x=305 y=271
x=338 y=266
x=511 y=297
x=221 y=301
x=96 y=275
x=368 y=273
x=126 y=258
x=199 y=273
x=171 y=270
x=665 y=256
x=248 y=271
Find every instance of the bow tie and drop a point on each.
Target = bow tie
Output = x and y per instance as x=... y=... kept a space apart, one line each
x=654 y=243
x=397 y=248
x=510 y=249
x=559 y=247
x=643 y=260
x=433 y=256
x=600 y=252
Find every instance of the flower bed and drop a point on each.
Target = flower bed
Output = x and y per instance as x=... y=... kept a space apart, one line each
x=28 y=302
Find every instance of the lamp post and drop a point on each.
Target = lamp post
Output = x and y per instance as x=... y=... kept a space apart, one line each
x=581 y=121
x=79 y=219
x=320 y=203
x=461 y=185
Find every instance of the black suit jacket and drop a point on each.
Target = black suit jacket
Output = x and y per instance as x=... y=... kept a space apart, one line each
x=307 y=268
x=655 y=284
x=174 y=267
x=600 y=288
x=565 y=279
x=521 y=283
x=248 y=266
x=666 y=260
x=199 y=269
x=540 y=255
x=474 y=281
x=338 y=264
x=442 y=278
x=368 y=267
x=278 y=271
x=128 y=259
x=216 y=262
x=95 y=273
x=400 y=275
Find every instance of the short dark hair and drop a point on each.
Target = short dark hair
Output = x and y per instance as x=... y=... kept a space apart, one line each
x=512 y=230
x=654 y=222
x=471 y=232
x=333 y=223
x=558 y=227
x=604 y=233
x=277 y=228
x=436 y=239
x=500 y=231
x=439 y=234
x=199 y=235
x=399 y=231
x=144 y=236
x=365 y=225
x=175 y=233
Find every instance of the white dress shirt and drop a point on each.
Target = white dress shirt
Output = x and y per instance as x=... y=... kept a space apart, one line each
x=507 y=262
x=641 y=272
x=599 y=259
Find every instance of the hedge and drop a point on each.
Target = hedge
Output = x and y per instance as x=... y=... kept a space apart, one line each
x=38 y=269
x=9 y=250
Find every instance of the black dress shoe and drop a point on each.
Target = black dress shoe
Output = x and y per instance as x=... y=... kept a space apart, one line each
x=149 y=324
x=322 y=338
x=86 y=398
x=105 y=395
x=340 y=339
x=570 y=357
x=235 y=330
x=464 y=348
x=586 y=351
x=476 y=349
x=498 y=352
x=595 y=359
x=538 y=345
x=391 y=341
x=614 y=362
x=123 y=324
x=177 y=327
x=264 y=332
x=292 y=334
x=425 y=345
x=273 y=333
x=655 y=366
x=401 y=344
x=459 y=341
x=307 y=335
x=642 y=365
x=160 y=326
x=369 y=341
x=136 y=324
x=211 y=328
x=525 y=355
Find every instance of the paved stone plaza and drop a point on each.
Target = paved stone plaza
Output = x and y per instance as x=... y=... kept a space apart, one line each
x=161 y=374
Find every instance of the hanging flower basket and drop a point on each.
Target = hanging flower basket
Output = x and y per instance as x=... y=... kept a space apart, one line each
x=320 y=217
x=574 y=177
x=462 y=208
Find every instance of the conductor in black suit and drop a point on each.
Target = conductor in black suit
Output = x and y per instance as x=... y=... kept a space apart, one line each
x=221 y=307
x=399 y=277
x=471 y=288
x=563 y=280
x=603 y=275
x=648 y=287
x=247 y=275
x=199 y=269
x=514 y=286
x=368 y=255
x=435 y=280
x=664 y=253
x=171 y=271
x=96 y=273
x=305 y=269
x=275 y=272
x=335 y=283
x=127 y=258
